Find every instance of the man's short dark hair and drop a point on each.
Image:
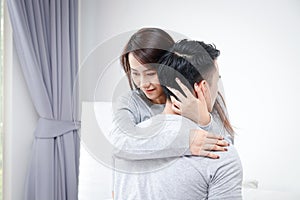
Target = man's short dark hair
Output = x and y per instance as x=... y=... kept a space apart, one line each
x=190 y=61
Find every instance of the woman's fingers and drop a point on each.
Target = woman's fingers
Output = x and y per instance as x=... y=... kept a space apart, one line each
x=176 y=102
x=178 y=94
x=209 y=154
x=214 y=136
x=176 y=109
x=214 y=147
x=186 y=91
x=206 y=153
x=203 y=142
x=222 y=143
x=216 y=139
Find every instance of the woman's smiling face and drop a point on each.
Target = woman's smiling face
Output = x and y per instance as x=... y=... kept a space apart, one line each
x=146 y=79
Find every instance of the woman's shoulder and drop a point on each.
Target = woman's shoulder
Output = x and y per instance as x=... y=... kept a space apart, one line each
x=132 y=95
x=132 y=98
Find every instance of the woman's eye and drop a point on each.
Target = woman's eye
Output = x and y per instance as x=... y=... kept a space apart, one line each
x=135 y=74
x=151 y=74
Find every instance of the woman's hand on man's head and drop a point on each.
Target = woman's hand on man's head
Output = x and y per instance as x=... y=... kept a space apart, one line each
x=190 y=106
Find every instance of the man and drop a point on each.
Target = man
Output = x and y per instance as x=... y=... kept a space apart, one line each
x=186 y=177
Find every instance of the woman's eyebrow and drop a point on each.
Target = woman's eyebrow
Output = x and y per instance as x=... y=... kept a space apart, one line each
x=146 y=70
x=149 y=70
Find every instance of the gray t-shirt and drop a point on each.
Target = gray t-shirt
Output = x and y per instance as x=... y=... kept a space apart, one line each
x=185 y=177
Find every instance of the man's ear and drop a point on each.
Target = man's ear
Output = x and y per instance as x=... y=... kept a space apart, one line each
x=196 y=87
x=203 y=86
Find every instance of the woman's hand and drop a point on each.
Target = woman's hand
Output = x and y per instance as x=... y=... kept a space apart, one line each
x=202 y=143
x=194 y=108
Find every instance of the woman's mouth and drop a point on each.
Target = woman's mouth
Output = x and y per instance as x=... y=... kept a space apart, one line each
x=149 y=91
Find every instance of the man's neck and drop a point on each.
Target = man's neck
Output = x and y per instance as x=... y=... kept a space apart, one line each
x=168 y=108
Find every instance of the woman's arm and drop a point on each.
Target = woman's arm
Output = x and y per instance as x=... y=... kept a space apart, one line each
x=129 y=140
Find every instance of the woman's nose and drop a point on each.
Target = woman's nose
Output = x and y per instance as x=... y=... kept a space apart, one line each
x=144 y=82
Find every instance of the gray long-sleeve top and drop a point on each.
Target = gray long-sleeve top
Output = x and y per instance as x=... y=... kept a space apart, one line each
x=130 y=140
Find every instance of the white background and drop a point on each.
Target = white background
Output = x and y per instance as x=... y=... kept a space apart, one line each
x=259 y=64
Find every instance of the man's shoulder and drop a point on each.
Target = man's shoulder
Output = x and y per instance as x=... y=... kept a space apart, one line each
x=228 y=160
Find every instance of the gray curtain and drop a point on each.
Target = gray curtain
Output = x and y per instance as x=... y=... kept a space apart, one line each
x=45 y=36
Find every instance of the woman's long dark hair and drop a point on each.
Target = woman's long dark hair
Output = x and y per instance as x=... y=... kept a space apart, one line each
x=214 y=54
x=223 y=116
x=147 y=46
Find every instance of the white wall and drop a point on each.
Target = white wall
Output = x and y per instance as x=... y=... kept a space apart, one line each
x=19 y=121
x=260 y=46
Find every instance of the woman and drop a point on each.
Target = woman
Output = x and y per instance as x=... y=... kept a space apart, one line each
x=139 y=58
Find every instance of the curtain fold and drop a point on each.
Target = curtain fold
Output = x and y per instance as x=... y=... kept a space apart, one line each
x=45 y=37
